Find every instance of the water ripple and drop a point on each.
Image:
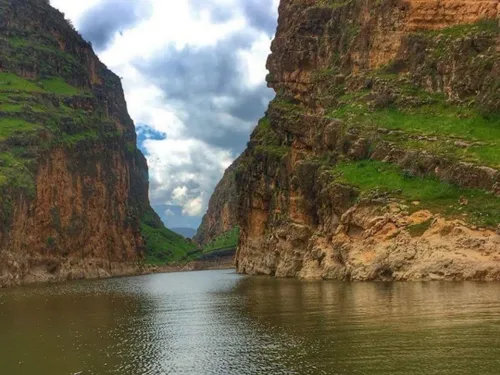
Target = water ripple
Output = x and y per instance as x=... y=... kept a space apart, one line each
x=216 y=322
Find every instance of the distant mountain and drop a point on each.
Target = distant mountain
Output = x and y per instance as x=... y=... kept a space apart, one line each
x=185 y=232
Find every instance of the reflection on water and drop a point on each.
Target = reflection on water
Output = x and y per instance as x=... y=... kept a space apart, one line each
x=386 y=328
x=216 y=322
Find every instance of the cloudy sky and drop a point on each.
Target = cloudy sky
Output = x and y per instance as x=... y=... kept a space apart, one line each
x=194 y=78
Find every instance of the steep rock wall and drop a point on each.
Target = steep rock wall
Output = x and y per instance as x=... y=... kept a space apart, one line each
x=221 y=215
x=379 y=158
x=73 y=185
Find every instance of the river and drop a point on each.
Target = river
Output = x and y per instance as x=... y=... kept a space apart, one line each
x=218 y=322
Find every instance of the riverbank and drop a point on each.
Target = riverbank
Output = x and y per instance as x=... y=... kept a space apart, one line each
x=225 y=262
x=52 y=271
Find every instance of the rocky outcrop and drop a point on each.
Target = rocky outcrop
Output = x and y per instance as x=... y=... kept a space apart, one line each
x=221 y=215
x=378 y=158
x=73 y=185
x=380 y=243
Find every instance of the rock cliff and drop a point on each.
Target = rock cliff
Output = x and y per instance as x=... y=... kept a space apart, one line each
x=379 y=158
x=221 y=216
x=73 y=185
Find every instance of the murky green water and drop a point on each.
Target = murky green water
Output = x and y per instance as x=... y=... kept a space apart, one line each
x=216 y=322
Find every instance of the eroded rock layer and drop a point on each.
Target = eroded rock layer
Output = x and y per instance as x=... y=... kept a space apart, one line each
x=379 y=158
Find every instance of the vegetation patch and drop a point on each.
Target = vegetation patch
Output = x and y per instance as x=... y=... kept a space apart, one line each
x=14 y=174
x=73 y=139
x=418 y=230
x=269 y=142
x=440 y=119
x=41 y=41
x=162 y=245
x=264 y=134
x=9 y=107
x=276 y=151
x=8 y=126
x=333 y=3
x=439 y=127
x=226 y=240
x=27 y=106
x=58 y=86
x=475 y=206
x=459 y=31
x=11 y=82
x=466 y=127
x=288 y=106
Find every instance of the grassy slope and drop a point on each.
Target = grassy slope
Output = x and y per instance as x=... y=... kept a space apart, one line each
x=26 y=111
x=226 y=240
x=475 y=206
x=443 y=124
x=163 y=245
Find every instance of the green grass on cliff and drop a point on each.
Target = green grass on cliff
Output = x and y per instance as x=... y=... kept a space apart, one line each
x=459 y=31
x=9 y=107
x=27 y=106
x=34 y=47
x=369 y=176
x=10 y=81
x=445 y=125
x=226 y=240
x=54 y=85
x=11 y=125
x=269 y=142
x=58 y=86
x=15 y=174
x=333 y=3
x=440 y=119
x=466 y=130
x=162 y=245
x=30 y=105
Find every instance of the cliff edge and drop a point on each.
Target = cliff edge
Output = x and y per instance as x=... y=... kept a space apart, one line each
x=379 y=158
x=73 y=185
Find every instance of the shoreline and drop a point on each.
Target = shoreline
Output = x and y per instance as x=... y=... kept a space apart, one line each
x=226 y=263
x=126 y=270
x=152 y=270
x=189 y=267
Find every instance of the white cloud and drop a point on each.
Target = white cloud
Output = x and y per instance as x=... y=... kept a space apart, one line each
x=179 y=194
x=73 y=9
x=179 y=176
x=184 y=167
x=194 y=207
x=254 y=60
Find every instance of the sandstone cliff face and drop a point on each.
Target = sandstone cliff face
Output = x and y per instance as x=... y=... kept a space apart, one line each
x=379 y=158
x=221 y=215
x=73 y=185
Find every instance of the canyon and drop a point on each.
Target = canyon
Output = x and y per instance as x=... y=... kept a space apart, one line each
x=378 y=159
